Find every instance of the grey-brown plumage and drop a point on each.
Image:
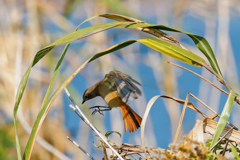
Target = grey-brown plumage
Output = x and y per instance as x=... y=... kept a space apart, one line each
x=122 y=82
x=125 y=86
x=116 y=88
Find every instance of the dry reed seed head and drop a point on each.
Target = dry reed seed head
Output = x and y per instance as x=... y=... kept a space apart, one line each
x=167 y=153
x=201 y=152
x=170 y=156
x=155 y=157
x=188 y=149
x=190 y=140
x=173 y=147
x=221 y=157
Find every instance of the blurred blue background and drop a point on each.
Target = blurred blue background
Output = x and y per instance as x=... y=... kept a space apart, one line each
x=27 y=26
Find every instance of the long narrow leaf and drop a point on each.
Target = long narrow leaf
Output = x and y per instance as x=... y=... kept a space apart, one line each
x=199 y=41
x=234 y=151
x=40 y=54
x=224 y=117
x=29 y=147
x=79 y=33
x=55 y=73
x=163 y=47
x=172 y=50
x=144 y=119
x=210 y=126
x=72 y=37
x=17 y=101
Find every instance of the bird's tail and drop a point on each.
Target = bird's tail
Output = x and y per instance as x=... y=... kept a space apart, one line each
x=130 y=118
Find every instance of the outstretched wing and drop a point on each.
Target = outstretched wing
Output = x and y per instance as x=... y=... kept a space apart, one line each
x=125 y=86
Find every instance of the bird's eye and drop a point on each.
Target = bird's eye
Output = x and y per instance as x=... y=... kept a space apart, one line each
x=86 y=96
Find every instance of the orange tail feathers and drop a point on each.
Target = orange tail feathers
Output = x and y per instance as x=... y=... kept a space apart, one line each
x=130 y=118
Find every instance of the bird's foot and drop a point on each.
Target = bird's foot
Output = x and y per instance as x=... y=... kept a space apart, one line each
x=99 y=110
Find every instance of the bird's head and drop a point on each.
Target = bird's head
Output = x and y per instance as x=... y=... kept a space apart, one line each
x=89 y=94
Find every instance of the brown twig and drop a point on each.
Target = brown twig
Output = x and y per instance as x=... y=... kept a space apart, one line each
x=129 y=149
x=210 y=109
x=220 y=79
x=225 y=148
x=200 y=77
x=141 y=156
x=105 y=153
x=181 y=119
x=214 y=85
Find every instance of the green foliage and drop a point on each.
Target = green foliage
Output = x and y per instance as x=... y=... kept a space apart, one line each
x=199 y=41
x=43 y=111
x=235 y=152
x=7 y=144
x=224 y=118
x=108 y=133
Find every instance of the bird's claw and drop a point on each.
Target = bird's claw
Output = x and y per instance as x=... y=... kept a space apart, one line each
x=97 y=110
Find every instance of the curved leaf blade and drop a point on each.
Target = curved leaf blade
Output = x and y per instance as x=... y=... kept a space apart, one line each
x=199 y=41
x=47 y=105
x=234 y=151
x=161 y=46
x=224 y=117
x=18 y=97
x=33 y=135
x=144 y=119
x=173 y=51
x=108 y=133
x=76 y=34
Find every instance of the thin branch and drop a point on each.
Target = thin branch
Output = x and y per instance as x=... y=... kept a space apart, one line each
x=75 y=143
x=105 y=153
x=210 y=109
x=141 y=156
x=77 y=110
x=213 y=72
x=200 y=77
x=181 y=119
x=128 y=149
x=221 y=80
x=225 y=148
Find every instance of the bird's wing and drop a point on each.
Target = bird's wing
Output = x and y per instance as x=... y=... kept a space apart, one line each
x=125 y=86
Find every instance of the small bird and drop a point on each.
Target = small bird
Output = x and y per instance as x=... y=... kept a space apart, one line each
x=116 y=89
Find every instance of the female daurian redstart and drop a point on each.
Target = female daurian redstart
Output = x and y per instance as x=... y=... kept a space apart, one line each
x=116 y=88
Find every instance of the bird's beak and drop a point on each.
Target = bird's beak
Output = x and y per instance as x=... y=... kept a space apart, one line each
x=83 y=101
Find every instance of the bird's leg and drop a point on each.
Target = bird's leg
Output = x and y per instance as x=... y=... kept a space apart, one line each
x=99 y=110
